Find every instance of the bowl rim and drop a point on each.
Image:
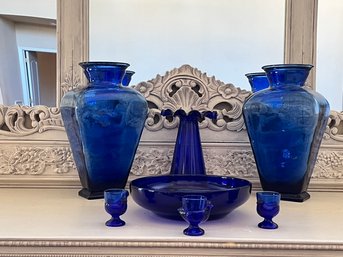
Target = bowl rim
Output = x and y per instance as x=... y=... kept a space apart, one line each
x=224 y=189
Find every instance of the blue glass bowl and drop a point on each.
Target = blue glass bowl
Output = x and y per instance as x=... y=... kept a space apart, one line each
x=163 y=194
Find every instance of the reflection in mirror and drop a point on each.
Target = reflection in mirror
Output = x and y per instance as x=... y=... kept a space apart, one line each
x=28 y=52
x=224 y=38
x=330 y=52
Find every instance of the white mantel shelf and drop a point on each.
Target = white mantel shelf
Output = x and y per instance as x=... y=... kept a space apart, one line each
x=57 y=222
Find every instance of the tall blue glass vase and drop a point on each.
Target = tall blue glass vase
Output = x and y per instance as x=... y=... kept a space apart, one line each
x=285 y=124
x=104 y=122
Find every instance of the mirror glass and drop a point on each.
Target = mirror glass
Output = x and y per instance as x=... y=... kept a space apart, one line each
x=329 y=81
x=223 y=38
x=28 y=52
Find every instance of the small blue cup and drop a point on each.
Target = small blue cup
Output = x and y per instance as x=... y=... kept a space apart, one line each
x=195 y=210
x=268 y=206
x=115 y=205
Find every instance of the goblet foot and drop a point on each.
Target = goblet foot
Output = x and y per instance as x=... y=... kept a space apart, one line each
x=268 y=224
x=194 y=231
x=115 y=222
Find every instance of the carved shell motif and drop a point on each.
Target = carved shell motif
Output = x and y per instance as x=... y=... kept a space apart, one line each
x=189 y=89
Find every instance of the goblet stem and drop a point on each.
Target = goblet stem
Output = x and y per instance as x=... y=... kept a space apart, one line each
x=194 y=231
x=115 y=221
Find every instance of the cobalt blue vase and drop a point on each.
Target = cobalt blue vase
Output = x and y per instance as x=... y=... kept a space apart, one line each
x=104 y=123
x=257 y=81
x=285 y=124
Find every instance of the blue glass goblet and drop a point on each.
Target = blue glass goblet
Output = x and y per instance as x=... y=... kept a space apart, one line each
x=195 y=210
x=115 y=205
x=268 y=206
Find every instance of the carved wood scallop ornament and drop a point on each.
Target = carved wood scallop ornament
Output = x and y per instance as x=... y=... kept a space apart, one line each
x=189 y=89
x=34 y=150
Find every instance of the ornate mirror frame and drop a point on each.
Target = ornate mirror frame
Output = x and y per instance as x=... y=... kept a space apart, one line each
x=34 y=150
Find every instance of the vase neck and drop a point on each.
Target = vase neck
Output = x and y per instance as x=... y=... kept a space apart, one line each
x=287 y=74
x=188 y=157
x=104 y=73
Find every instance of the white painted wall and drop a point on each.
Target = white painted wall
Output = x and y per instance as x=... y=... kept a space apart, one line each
x=33 y=8
x=17 y=36
x=330 y=52
x=36 y=37
x=223 y=38
x=10 y=83
x=1 y=100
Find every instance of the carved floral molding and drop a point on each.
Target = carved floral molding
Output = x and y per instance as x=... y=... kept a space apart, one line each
x=237 y=163
x=70 y=81
x=50 y=160
x=36 y=161
x=329 y=165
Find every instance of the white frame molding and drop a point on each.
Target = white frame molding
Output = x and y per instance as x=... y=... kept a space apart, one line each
x=185 y=248
x=301 y=34
x=34 y=150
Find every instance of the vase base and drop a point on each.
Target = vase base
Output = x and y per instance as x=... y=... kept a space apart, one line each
x=85 y=193
x=302 y=197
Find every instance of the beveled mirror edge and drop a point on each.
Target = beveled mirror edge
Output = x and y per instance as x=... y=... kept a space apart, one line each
x=48 y=161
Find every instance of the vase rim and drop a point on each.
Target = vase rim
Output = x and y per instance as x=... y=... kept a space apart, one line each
x=103 y=63
x=255 y=74
x=288 y=65
x=130 y=72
